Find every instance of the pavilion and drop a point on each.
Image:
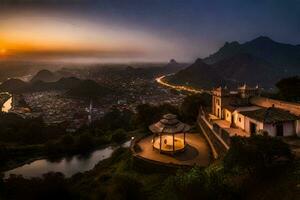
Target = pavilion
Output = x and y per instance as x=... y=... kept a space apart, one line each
x=167 y=134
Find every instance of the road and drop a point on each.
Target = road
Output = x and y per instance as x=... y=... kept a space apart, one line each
x=161 y=81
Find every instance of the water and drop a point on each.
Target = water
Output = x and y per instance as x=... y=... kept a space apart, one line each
x=67 y=165
x=7 y=105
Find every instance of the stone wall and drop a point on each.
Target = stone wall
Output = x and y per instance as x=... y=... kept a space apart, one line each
x=266 y=102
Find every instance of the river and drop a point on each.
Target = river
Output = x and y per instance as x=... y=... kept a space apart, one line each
x=7 y=105
x=66 y=165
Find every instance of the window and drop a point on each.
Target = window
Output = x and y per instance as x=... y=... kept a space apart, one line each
x=240 y=119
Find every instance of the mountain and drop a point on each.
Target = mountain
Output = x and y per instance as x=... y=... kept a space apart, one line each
x=74 y=87
x=45 y=76
x=13 y=86
x=261 y=61
x=199 y=74
x=232 y=71
x=284 y=57
x=246 y=68
x=173 y=66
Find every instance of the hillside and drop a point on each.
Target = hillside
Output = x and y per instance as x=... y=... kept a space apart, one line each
x=199 y=74
x=232 y=71
x=13 y=85
x=261 y=61
x=245 y=68
x=284 y=57
x=74 y=87
x=45 y=76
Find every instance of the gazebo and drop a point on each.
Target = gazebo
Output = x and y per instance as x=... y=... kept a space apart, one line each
x=166 y=134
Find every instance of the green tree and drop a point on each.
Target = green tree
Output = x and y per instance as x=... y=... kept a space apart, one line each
x=191 y=104
x=289 y=89
x=256 y=153
x=119 y=136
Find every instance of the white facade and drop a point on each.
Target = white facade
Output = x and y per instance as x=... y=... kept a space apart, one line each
x=222 y=109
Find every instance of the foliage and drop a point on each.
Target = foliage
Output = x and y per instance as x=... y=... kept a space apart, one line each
x=115 y=119
x=148 y=114
x=289 y=89
x=119 y=136
x=197 y=183
x=15 y=129
x=190 y=107
x=125 y=187
x=51 y=186
x=256 y=153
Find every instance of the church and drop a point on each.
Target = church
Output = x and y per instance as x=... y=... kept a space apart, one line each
x=245 y=112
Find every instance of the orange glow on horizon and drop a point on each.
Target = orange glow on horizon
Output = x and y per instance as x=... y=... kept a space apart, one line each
x=38 y=36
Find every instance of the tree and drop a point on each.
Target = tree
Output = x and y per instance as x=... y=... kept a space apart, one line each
x=125 y=187
x=148 y=114
x=190 y=107
x=289 y=89
x=256 y=153
x=85 y=143
x=119 y=136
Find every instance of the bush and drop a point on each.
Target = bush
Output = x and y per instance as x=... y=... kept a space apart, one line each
x=125 y=187
x=197 y=183
x=84 y=143
x=51 y=186
x=256 y=153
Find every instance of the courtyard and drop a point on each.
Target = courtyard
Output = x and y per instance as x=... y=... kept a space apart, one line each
x=197 y=152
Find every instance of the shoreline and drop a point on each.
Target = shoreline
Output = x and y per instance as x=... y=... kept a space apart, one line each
x=62 y=156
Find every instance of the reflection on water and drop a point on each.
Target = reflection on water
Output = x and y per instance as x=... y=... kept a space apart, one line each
x=67 y=165
x=7 y=105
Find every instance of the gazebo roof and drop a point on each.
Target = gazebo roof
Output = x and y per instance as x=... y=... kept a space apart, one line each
x=169 y=124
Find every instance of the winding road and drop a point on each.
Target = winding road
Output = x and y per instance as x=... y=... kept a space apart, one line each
x=161 y=81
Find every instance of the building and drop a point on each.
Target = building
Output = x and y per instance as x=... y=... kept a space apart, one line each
x=244 y=109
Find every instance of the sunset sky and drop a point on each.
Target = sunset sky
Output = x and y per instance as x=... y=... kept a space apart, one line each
x=139 y=30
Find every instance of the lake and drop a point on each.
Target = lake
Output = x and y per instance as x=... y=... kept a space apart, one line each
x=66 y=165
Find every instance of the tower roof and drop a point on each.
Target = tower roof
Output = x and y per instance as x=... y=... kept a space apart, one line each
x=169 y=124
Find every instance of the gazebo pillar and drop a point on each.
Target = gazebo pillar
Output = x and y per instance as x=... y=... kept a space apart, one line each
x=184 y=138
x=173 y=143
x=159 y=142
x=153 y=140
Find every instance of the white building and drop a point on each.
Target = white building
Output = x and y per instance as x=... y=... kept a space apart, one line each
x=235 y=108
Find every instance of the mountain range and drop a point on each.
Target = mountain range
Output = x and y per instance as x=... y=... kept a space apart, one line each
x=73 y=86
x=261 y=61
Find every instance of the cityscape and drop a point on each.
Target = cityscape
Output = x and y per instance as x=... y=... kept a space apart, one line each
x=155 y=100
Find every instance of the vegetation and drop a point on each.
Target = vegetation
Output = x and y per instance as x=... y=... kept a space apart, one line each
x=119 y=177
x=148 y=114
x=189 y=109
x=289 y=89
x=257 y=154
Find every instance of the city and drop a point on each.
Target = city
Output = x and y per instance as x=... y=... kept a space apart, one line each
x=149 y=100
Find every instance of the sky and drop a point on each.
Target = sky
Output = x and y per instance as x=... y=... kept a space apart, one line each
x=139 y=30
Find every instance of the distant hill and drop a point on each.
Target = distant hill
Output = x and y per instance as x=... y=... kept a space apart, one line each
x=173 y=66
x=284 y=57
x=13 y=85
x=233 y=71
x=45 y=76
x=261 y=61
x=73 y=87
x=198 y=74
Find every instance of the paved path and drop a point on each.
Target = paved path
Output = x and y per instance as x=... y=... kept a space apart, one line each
x=196 y=153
